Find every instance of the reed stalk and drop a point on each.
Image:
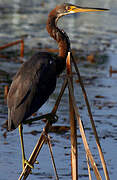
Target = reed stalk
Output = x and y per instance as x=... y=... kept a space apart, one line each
x=92 y=121
x=21 y=41
x=88 y=152
x=73 y=126
x=52 y=157
x=89 y=171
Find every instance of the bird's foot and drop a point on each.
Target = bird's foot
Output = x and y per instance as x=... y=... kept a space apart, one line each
x=51 y=117
x=25 y=162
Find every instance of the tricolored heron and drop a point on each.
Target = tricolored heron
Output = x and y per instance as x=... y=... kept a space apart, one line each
x=36 y=79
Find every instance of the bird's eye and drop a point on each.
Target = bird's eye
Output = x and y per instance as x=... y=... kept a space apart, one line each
x=68 y=8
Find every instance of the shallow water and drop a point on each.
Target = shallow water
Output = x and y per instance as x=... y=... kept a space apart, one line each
x=93 y=33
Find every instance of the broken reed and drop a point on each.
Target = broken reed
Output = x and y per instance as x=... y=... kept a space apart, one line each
x=21 y=41
x=73 y=124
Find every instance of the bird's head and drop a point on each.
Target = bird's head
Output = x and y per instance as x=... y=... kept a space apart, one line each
x=67 y=8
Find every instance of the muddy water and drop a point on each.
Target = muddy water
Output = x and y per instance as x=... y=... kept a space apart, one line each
x=91 y=34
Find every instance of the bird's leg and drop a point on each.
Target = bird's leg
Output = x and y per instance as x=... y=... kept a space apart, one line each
x=24 y=161
x=51 y=117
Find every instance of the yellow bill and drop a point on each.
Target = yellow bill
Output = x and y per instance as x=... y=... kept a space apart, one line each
x=76 y=9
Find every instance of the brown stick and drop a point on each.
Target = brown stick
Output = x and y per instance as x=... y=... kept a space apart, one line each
x=21 y=41
x=10 y=44
x=111 y=71
x=89 y=171
x=60 y=96
x=92 y=123
x=52 y=157
x=6 y=90
x=22 y=49
x=73 y=126
x=88 y=152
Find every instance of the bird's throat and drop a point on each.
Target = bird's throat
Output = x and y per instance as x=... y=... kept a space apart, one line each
x=59 y=35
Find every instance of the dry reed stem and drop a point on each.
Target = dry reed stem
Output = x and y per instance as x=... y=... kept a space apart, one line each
x=21 y=41
x=73 y=126
x=22 y=49
x=10 y=44
x=88 y=152
x=6 y=90
x=59 y=97
x=89 y=171
x=52 y=157
x=92 y=122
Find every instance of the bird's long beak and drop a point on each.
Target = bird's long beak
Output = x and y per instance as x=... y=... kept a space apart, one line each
x=76 y=9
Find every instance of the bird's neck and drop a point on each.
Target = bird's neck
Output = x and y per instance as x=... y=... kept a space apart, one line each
x=59 y=35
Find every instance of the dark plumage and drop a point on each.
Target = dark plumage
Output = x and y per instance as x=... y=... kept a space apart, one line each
x=36 y=79
x=31 y=87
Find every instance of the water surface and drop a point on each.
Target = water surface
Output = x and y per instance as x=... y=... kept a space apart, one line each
x=90 y=34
